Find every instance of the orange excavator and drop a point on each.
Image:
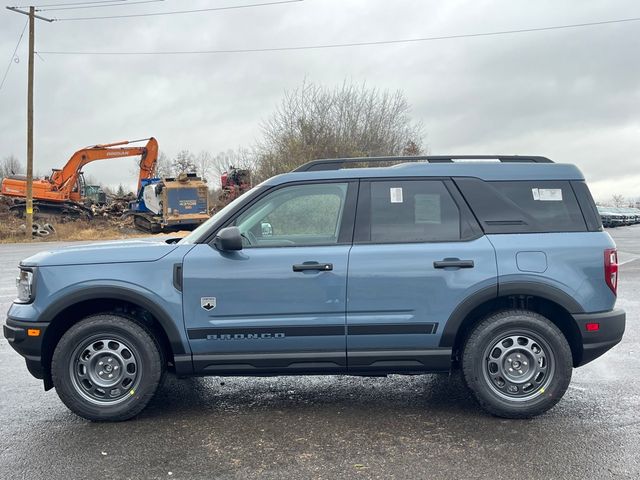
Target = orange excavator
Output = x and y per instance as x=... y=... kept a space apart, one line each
x=63 y=191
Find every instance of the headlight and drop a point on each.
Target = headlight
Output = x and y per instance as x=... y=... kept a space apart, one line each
x=24 y=282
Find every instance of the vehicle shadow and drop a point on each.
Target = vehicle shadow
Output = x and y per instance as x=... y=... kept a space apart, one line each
x=421 y=395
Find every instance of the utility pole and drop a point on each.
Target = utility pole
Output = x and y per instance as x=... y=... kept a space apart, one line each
x=29 y=210
x=29 y=203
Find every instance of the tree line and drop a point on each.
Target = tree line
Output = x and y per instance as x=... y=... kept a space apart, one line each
x=311 y=122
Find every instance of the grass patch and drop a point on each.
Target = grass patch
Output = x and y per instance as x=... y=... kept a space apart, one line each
x=91 y=230
x=12 y=231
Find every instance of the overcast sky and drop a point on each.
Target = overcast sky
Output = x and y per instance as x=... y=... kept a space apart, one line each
x=572 y=95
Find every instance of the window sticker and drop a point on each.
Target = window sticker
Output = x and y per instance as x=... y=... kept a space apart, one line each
x=547 y=194
x=427 y=208
x=395 y=195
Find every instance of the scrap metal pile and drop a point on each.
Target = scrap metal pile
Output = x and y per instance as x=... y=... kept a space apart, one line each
x=114 y=208
x=5 y=204
x=111 y=215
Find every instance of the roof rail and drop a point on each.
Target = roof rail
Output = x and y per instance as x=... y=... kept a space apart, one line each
x=338 y=163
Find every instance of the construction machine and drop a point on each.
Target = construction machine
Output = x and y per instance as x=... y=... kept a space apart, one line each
x=63 y=192
x=234 y=182
x=165 y=204
x=94 y=195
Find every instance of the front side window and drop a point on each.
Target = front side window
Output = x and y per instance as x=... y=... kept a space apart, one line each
x=295 y=216
x=412 y=211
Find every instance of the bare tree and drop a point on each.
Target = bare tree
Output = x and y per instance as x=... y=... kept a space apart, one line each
x=239 y=158
x=411 y=149
x=222 y=161
x=90 y=179
x=618 y=200
x=204 y=164
x=10 y=165
x=347 y=121
x=163 y=166
x=184 y=162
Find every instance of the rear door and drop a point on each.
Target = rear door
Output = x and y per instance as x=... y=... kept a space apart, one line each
x=278 y=305
x=418 y=253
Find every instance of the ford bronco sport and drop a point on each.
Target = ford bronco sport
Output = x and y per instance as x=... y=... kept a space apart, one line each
x=498 y=266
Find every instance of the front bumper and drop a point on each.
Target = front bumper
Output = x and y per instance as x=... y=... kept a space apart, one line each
x=22 y=339
x=598 y=342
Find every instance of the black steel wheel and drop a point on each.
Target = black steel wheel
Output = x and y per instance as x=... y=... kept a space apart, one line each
x=519 y=366
x=107 y=367
x=517 y=363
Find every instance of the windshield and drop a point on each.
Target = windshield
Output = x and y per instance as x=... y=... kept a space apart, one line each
x=202 y=230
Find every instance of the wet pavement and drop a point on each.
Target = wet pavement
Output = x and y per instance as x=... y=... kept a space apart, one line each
x=331 y=427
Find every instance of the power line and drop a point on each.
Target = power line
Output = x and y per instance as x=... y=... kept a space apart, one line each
x=176 y=12
x=13 y=55
x=102 y=5
x=352 y=44
x=73 y=3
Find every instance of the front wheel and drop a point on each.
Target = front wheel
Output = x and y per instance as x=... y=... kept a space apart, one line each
x=517 y=363
x=106 y=367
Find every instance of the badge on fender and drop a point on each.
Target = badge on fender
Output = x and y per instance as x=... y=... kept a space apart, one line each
x=208 y=303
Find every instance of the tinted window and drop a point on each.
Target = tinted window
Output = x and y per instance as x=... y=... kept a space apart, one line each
x=412 y=211
x=588 y=206
x=523 y=206
x=295 y=215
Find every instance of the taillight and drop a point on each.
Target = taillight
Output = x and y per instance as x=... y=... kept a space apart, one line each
x=611 y=269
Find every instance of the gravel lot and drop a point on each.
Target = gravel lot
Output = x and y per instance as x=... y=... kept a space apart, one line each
x=330 y=427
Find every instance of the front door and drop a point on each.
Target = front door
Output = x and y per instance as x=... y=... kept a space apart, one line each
x=417 y=255
x=278 y=305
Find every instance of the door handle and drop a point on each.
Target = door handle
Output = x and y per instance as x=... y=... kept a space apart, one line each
x=453 y=263
x=322 y=267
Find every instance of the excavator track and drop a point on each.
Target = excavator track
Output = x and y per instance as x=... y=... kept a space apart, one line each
x=146 y=222
x=45 y=209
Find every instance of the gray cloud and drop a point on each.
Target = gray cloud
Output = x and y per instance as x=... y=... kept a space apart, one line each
x=570 y=94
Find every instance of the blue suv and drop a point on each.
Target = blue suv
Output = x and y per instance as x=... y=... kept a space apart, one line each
x=497 y=266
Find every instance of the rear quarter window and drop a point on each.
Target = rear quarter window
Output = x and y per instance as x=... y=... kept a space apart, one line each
x=523 y=206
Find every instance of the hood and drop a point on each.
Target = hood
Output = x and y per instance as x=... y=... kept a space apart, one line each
x=117 y=251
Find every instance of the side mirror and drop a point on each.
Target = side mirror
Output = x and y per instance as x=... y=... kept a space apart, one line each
x=228 y=239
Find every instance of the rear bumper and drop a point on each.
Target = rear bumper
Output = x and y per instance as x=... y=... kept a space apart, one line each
x=610 y=333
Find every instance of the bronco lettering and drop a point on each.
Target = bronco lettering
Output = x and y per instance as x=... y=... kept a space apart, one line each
x=244 y=336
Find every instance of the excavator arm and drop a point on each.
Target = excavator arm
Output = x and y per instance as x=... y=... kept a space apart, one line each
x=65 y=179
x=148 y=162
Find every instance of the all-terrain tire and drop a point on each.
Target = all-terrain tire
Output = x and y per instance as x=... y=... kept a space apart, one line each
x=525 y=340
x=107 y=368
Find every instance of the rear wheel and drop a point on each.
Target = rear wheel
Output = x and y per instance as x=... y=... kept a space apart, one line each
x=106 y=367
x=517 y=363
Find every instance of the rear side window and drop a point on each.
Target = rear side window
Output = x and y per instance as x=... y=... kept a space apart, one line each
x=523 y=206
x=412 y=211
